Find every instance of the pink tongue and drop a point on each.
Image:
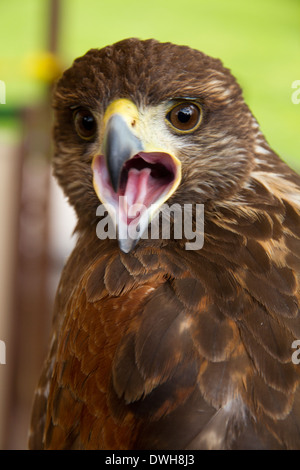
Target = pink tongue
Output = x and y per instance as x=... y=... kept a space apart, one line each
x=137 y=186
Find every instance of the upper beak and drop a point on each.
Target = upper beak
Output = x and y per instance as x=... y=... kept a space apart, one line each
x=119 y=146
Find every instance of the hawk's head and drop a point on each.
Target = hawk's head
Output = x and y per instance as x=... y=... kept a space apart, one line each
x=152 y=122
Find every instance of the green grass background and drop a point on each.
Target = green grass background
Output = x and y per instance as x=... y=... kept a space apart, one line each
x=259 y=40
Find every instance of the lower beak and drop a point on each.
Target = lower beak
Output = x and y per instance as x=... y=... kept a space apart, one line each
x=132 y=180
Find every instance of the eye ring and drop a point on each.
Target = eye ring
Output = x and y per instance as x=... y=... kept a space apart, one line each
x=185 y=117
x=85 y=123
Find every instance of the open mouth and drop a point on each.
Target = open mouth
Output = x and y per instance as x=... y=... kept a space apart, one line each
x=146 y=179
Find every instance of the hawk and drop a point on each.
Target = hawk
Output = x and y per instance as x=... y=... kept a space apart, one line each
x=156 y=346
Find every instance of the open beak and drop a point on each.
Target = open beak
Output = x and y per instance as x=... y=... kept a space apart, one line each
x=131 y=179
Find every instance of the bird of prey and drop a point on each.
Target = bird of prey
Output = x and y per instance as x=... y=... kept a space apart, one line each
x=154 y=345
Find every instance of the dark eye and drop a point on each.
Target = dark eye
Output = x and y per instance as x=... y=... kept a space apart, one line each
x=85 y=123
x=185 y=117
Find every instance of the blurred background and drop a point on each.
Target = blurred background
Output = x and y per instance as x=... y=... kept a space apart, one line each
x=258 y=40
